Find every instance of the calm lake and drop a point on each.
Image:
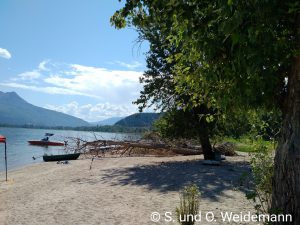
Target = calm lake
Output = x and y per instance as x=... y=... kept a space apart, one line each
x=20 y=153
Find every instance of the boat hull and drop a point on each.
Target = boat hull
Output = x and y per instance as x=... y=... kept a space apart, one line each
x=51 y=158
x=46 y=143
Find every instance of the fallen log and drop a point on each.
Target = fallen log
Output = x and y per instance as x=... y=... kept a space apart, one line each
x=135 y=144
x=186 y=151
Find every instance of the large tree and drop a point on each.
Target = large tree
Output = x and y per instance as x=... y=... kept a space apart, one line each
x=236 y=54
x=159 y=90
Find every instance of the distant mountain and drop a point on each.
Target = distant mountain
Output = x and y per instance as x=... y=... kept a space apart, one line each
x=16 y=111
x=139 y=120
x=109 y=121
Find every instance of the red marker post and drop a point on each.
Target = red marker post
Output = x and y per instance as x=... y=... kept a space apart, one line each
x=3 y=140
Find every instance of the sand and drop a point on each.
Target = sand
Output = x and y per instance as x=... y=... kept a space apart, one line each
x=119 y=191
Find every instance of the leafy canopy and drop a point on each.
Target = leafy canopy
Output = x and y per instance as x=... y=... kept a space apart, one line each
x=228 y=53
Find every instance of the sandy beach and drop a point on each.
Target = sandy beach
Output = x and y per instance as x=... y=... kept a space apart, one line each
x=123 y=190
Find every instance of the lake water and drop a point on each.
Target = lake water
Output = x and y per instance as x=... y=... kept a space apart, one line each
x=20 y=153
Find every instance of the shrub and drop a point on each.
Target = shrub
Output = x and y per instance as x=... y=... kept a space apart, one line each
x=189 y=205
x=262 y=163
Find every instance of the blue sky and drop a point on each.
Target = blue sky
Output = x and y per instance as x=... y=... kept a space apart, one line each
x=64 y=55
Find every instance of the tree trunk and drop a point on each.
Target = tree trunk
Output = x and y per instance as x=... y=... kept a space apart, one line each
x=205 y=142
x=286 y=181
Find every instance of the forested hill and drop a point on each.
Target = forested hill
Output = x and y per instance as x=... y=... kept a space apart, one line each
x=139 y=120
x=109 y=121
x=16 y=111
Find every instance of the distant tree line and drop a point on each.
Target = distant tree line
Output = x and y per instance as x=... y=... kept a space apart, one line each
x=106 y=128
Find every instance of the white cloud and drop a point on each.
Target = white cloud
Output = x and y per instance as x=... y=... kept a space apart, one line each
x=115 y=86
x=42 y=65
x=114 y=90
x=4 y=53
x=133 y=65
x=47 y=90
x=31 y=75
x=95 y=112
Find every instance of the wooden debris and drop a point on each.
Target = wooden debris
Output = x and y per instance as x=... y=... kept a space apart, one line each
x=129 y=147
x=100 y=148
x=226 y=148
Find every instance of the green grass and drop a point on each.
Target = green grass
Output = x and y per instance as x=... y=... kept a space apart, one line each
x=246 y=144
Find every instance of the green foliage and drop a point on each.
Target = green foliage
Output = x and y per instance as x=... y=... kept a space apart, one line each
x=158 y=80
x=231 y=56
x=248 y=144
x=189 y=204
x=224 y=54
x=178 y=123
x=255 y=128
x=235 y=124
x=259 y=122
x=246 y=129
x=265 y=124
x=262 y=163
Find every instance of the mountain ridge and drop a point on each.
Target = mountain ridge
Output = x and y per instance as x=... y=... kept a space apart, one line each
x=139 y=120
x=14 y=110
x=109 y=121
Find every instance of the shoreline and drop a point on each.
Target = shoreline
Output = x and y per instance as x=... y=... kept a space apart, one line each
x=19 y=152
x=121 y=190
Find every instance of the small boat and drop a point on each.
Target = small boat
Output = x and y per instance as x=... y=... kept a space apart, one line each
x=45 y=141
x=49 y=158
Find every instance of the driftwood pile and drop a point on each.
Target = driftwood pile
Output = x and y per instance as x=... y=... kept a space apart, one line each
x=226 y=148
x=129 y=148
x=143 y=147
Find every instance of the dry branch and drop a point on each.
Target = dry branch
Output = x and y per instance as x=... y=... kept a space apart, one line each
x=122 y=148
x=128 y=147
